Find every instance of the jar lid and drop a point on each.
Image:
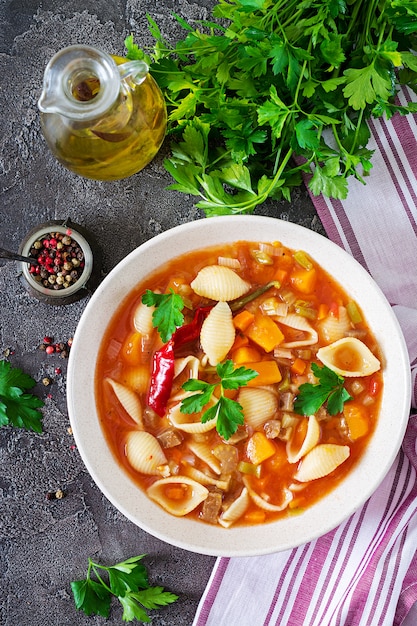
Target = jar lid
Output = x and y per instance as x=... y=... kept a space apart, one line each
x=70 y=263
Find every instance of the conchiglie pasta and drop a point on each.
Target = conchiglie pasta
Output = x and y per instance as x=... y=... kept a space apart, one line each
x=204 y=452
x=294 y=453
x=235 y=511
x=321 y=461
x=178 y=495
x=349 y=357
x=333 y=327
x=129 y=401
x=142 y=319
x=189 y=423
x=264 y=504
x=217 y=333
x=219 y=283
x=258 y=405
x=144 y=453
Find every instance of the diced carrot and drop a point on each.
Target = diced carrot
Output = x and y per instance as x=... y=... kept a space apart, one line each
x=132 y=348
x=323 y=311
x=243 y=319
x=281 y=275
x=304 y=280
x=356 y=418
x=255 y=517
x=246 y=353
x=265 y=332
x=268 y=373
x=174 y=283
x=259 y=448
x=239 y=342
x=299 y=366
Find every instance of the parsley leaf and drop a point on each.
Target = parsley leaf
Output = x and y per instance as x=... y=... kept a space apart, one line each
x=128 y=582
x=167 y=316
x=16 y=407
x=228 y=413
x=329 y=388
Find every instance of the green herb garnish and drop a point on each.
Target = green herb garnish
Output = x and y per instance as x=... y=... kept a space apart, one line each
x=16 y=407
x=167 y=316
x=229 y=413
x=329 y=389
x=277 y=79
x=128 y=582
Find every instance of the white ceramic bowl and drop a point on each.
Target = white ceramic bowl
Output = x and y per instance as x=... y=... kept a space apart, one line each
x=252 y=540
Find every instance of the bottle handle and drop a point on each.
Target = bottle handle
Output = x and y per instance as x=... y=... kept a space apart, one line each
x=137 y=71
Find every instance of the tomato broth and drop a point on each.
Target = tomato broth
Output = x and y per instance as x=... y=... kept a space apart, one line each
x=272 y=465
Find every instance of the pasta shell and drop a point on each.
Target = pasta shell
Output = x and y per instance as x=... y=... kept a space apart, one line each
x=187 y=494
x=206 y=479
x=264 y=504
x=258 y=405
x=298 y=323
x=217 y=333
x=311 y=439
x=204 y=452
x=332 y=328
x=129 y=401
x=142 y=319
x=219 y=283
x=189 y=423
x=144 y=453
x=349 y=357
x=321 y=461
x=235 y=510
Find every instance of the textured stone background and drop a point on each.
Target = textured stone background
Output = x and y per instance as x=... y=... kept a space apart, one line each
x=44 y=545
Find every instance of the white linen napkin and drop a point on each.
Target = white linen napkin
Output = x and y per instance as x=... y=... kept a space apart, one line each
x=363 y=573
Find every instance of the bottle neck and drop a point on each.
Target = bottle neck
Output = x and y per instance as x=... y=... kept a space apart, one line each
x=80 y=83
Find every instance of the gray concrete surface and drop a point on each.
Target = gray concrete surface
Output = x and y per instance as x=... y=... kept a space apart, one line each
x=44 y=545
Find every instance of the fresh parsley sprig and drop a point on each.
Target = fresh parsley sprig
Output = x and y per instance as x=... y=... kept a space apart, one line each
x=128 y=582
x=330 y=389
x=265 y=81
x=18 y=408
x=229 y=413
x=167 y=316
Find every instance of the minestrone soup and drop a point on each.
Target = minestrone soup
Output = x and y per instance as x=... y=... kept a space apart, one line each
x=238 y=384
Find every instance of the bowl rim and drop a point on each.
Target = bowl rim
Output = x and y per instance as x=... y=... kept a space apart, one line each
x=275 y=536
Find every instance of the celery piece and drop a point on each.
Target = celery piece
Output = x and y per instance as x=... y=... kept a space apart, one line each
x=249 y=468
x=353 y=312
x=303 y=259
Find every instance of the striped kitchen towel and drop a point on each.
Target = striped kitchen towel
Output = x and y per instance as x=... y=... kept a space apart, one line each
x=363 y=573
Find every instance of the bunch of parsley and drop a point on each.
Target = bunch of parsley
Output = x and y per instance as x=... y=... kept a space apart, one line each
x=275 y=88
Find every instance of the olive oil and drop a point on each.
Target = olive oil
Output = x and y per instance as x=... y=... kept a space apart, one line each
x=116 y=145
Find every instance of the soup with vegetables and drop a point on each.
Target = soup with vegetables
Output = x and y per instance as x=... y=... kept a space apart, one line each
x=238 y=384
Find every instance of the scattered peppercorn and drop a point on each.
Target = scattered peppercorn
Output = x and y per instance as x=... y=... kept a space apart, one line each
x=46 y=381
x=60 y=260
x=50 y=347
x=55 y=495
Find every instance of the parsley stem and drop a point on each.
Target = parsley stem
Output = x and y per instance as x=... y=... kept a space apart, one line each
x=96 y=567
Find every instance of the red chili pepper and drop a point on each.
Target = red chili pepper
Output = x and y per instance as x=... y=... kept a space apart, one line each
x=161 y=378
x=163 y=361
x=189 y=332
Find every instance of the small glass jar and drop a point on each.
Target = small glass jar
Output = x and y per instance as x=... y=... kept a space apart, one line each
x=53 y=288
